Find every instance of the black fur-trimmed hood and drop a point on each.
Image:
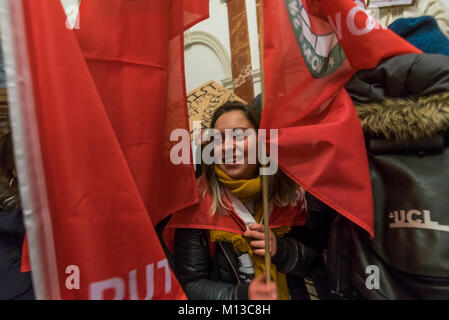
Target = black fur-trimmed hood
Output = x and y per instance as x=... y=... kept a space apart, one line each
x=404 y=119
x=404 y=98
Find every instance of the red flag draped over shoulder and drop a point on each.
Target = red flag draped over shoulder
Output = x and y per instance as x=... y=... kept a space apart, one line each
x=311 y=49
x=135 y=53
x=99 y=221
x=200 y=216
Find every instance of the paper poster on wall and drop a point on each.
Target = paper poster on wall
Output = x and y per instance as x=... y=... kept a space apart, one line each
x=204 y=100
x=3 y=106
x=389 y=3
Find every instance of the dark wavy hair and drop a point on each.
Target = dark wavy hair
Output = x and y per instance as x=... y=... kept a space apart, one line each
x=9 y=194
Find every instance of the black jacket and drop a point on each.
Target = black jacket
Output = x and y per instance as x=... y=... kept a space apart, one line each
x=403 y=105
x=216 y=278
x=13 y=283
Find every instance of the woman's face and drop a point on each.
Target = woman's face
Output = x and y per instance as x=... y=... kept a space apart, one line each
x=235 y=120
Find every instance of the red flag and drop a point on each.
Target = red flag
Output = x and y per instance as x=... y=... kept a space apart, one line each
x=135 y=50
x=100 y=225
x=310 y=52
x=200 y=217
x=194 y=12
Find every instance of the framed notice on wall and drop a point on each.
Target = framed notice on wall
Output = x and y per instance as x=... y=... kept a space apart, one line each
x=390 y=3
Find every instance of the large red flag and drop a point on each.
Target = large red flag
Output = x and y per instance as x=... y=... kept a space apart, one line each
x=135 y=50
x=311 y=49
x=100 y=226
x=194 y=12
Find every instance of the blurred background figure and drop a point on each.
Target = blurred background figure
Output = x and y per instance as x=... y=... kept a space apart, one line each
x=13 y=283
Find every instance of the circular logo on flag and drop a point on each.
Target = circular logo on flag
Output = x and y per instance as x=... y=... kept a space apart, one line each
x=320 y=48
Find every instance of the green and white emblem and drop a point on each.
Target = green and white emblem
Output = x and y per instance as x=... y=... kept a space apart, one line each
x=321 y=52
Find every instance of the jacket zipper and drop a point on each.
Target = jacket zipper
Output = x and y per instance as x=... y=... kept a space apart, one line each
x=229 y=261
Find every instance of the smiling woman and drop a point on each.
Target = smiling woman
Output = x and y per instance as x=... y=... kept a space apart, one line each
x=228 y=119
x=219 y=245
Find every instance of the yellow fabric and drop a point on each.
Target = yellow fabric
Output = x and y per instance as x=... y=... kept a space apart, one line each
x=245 y=190
x=248 y=190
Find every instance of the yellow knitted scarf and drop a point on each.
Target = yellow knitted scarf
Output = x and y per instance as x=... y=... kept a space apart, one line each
x=246 y=191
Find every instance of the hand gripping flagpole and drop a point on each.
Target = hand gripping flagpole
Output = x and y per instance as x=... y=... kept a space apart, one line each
x=264 y=161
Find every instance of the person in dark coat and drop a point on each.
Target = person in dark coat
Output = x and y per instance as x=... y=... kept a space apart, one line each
x=14 y=285
x=403 y=105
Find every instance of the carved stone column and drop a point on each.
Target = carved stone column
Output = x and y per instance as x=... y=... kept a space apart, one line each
x=240 y=50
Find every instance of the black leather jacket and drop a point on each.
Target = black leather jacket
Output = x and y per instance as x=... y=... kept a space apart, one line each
x=403 y=105
x=216 y=278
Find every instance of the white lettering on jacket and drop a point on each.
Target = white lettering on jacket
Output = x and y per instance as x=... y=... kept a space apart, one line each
x=415 y=219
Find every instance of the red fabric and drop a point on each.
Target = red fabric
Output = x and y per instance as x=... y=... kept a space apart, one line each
x=199 y=217
x=25 y=265
x=99 y=220
x=135 y=53
x=321 y=144
x=194 y=12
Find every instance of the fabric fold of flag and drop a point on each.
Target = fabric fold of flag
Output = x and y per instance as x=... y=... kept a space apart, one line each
x=91 y=152
x=311 y=49
x=135 y=53
x=194 y=12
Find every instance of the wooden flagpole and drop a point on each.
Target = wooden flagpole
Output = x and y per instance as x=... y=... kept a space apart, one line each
x=266 y=227
x=266 y=218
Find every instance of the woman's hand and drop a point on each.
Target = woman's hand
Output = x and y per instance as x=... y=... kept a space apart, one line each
x=260 y=290
x=256 y=232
